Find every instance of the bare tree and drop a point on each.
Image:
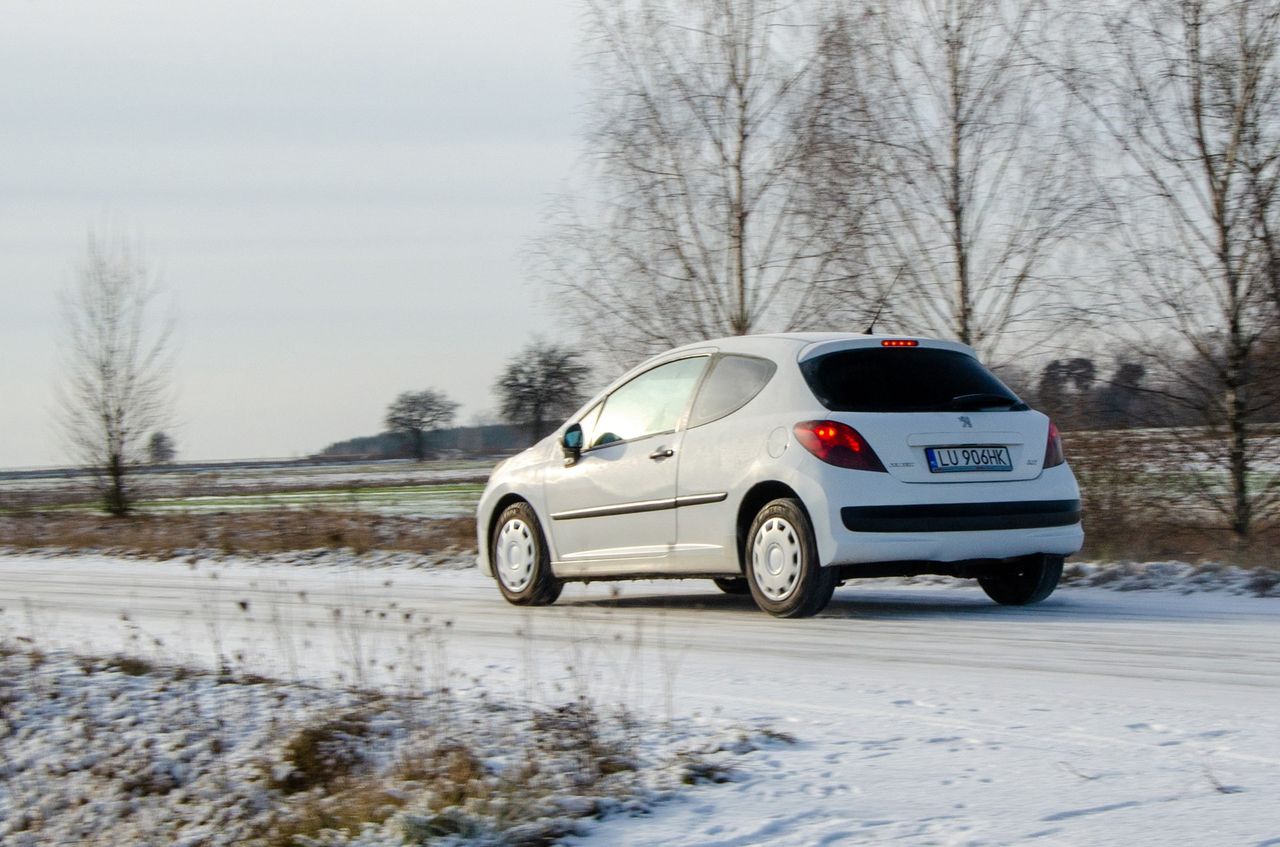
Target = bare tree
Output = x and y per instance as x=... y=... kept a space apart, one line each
x=978 y=180
x=116 y=363
x=700 y=219
x=415 y=413
x=161 y=449
x=1189 y=92
x=540 y=387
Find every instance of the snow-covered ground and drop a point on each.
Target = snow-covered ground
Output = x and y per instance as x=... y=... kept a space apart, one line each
x=923 y=713
x=117 y=751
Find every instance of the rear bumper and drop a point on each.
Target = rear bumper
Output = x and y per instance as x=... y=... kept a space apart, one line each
x=851 y=548
x=961 y=517
x=862 y=517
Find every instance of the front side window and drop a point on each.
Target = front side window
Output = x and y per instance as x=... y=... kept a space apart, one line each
x=651 y=403
x=733 y=381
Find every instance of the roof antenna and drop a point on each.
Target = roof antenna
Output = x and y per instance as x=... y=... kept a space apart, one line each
x=884 y=298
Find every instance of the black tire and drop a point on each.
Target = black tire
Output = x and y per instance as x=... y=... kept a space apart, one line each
x=733 y=585
x=539 y=587
x=1028 y=581
x=808 y=585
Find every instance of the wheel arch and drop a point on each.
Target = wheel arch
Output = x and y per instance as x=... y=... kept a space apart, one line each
x=496 y=512
x=753 y=501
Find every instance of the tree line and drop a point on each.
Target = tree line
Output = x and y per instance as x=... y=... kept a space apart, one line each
x=540 y=387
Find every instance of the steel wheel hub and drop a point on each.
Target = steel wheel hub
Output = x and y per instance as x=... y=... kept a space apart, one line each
x=516 y=555
x=775 y=559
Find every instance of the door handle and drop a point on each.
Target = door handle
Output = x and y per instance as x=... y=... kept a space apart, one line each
x=662 y=453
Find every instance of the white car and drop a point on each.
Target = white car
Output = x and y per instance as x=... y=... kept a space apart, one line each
x=783 y=465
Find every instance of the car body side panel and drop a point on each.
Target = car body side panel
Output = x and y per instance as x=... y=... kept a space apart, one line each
x=732 y=455
x=519 y=476
x=722 y=459
x=615 y=502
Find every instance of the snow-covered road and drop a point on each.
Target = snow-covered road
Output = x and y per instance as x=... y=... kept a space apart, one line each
x=923 y=714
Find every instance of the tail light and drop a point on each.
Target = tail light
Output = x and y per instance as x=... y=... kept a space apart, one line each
x=838 y=444
x=1053 y=450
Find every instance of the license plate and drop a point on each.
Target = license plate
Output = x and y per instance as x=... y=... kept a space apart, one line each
x=969 y=458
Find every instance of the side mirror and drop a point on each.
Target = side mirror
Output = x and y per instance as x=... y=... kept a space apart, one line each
x=571 y=443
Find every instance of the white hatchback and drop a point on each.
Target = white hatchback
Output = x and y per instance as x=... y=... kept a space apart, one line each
x=783 y=465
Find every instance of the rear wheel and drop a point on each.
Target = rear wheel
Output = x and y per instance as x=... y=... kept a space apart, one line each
x=1030 y=580
x=733 y=585
x=782 y=568
x=521 y=563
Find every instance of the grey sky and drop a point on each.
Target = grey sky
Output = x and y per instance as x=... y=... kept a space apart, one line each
x=336 y=196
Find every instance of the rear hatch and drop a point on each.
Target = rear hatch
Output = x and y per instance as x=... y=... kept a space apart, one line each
x=930 y=411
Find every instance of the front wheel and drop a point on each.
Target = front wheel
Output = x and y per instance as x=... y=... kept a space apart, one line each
x=1030 y=580
x=521 y=564
x=782 y=567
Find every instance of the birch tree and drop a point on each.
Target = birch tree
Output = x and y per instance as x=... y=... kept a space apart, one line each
x=698 y=216
x=980 y=186
x=1189 y=93
x=116 y=363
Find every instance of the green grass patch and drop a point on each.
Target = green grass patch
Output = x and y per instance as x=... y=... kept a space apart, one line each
x=428 y=500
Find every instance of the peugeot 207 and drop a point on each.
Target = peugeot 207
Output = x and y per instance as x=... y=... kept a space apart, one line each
x=784 y=465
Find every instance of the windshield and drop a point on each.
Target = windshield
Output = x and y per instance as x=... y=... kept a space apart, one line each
x=915 y=379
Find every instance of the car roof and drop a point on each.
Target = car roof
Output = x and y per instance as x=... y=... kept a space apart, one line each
x=778 y=346
x=805 y=345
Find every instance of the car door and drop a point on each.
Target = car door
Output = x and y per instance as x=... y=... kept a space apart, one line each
x=616 y=504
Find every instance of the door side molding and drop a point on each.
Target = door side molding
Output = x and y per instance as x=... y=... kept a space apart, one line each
x=640 y=506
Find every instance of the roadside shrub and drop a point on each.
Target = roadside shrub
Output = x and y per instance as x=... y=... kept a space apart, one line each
x=1140 y=504
x=321 y=755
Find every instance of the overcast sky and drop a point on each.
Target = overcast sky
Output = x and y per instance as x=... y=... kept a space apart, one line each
x=337 y=197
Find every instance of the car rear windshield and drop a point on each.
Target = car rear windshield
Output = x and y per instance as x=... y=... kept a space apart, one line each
x=914 y=379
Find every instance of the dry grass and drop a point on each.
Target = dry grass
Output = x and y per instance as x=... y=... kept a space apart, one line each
x=131 y=665
x=323 y=755
x=365 y=801
x=268 y=531
x=446 y=790
x=1132 y=513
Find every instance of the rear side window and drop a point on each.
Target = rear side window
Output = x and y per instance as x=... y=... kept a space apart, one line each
x=733 y=381
x=916 y=379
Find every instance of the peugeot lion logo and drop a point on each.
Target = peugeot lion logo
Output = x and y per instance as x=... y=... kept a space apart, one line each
x=965 y=422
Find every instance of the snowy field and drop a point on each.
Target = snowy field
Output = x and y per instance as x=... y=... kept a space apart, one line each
x=922 y=714
x=437 y=488
x=431 y=500
x=285 y=474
